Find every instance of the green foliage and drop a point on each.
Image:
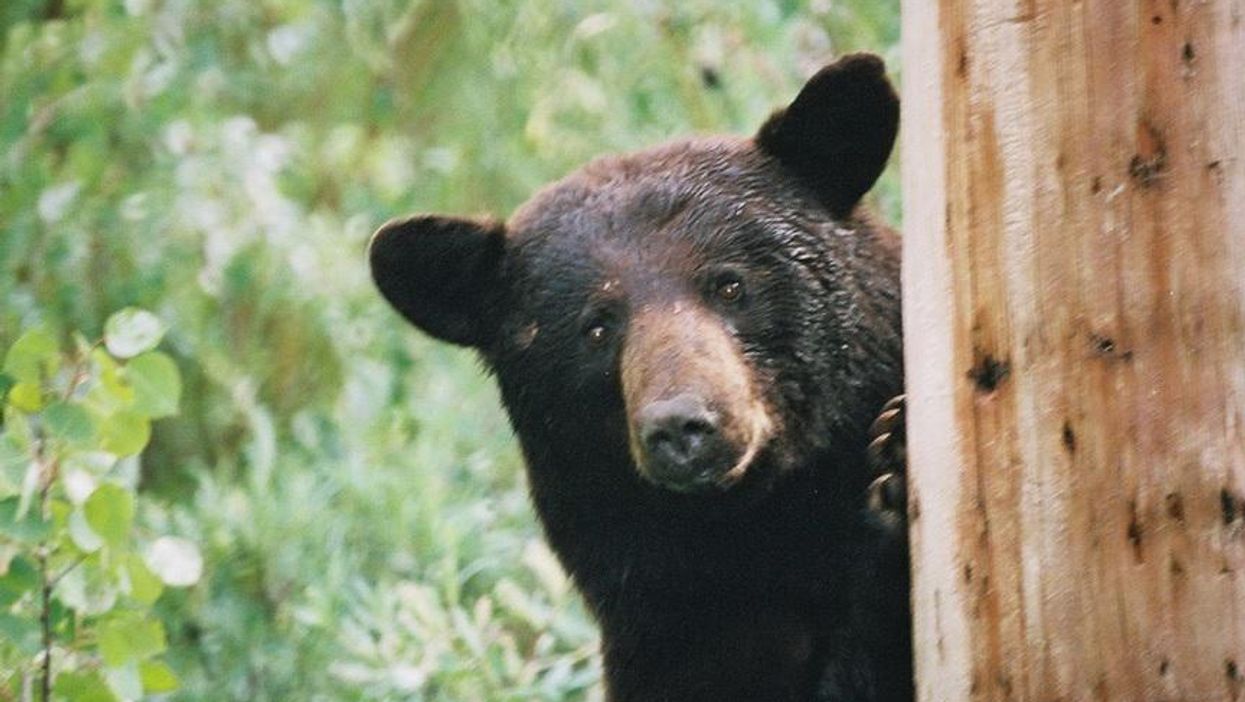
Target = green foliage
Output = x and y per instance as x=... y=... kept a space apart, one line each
x=78 y=578
x=353 y=490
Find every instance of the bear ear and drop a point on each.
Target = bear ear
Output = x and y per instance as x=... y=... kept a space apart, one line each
x=442 y=274
x=839 y=131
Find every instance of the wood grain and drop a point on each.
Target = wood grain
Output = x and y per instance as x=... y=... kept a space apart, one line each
x=1074 y=290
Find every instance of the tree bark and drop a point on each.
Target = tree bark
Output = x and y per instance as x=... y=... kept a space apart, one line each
x=1074 y=290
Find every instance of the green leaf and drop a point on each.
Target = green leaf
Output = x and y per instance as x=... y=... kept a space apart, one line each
x=126 y=636
x=131 y=332
x=93 y=462
x=78 y=484
x=112 y=392
x=156 y=382
x=13 y=464
x=18 y=433
x=26 y=492
x=176 y=560
x=6 y=382
x=24 y=633
x=145 y=587
x=22 y=578
x=32 y=358
x=82 y=535
x=87 y=589
x=30 y=528
x=157 y=677
x=69 y=423
x=64 y=620
x=125 y=681
x=82 y=687
x=124 y=433
x=110 y=512
x=27 y=397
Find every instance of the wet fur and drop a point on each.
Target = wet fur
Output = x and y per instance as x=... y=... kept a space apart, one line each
x=700 y=598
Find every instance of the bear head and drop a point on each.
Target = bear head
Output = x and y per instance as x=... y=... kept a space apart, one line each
x=691 y=322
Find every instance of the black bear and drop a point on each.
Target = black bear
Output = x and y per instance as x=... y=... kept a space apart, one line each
x=691 y=343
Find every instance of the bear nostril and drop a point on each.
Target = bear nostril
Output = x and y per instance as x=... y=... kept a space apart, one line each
x=657 y=438
x=696 y=434
x=678 y=436
x=666 y=446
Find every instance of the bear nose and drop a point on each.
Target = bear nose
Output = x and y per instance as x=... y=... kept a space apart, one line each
x=683 y=448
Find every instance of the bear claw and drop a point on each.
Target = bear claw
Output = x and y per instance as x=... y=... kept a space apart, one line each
x=887 y=457
x=887 y=494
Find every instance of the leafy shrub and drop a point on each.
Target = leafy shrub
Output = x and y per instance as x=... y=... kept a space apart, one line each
x=78 y=573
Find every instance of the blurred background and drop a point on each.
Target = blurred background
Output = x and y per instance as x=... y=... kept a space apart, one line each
x=353 y=488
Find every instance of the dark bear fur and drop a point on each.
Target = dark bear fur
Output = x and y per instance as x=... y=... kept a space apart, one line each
x=738 y=282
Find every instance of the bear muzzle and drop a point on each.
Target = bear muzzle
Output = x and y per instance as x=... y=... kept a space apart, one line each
x=696 y=419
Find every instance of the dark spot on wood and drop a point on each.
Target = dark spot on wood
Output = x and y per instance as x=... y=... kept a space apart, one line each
x=710 y=78
x=1215 y=169
x=1095 y=185
x=1134 y=532
x=1134 y=536
x=968 y=572
x=1228 y=505
x=989 y=372
x=1165 y=666
x=1145 y=171
x=961 y=65
x=1175 y=506
x=1176 y=567
x=1060 y=161
x=1156 y=20
x=914 y=508
x=1004 y=682
x=1187 y=54
x=1069 y=437
x=1147 y=166
x=1106 y=347
x=1230 y=669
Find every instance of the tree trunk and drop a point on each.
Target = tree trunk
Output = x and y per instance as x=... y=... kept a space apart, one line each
x=1074 y=289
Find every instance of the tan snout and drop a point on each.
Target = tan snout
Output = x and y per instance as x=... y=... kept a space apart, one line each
x=697 y=419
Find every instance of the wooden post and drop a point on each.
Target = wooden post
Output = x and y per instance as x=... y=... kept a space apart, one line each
x=1074 y=290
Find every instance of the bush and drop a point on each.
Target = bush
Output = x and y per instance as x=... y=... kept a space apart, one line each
x=79 y=573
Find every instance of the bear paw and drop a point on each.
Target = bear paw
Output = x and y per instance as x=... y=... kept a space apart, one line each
x=888 y=458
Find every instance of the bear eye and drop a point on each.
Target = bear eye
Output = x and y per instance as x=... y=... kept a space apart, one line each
x=730 y=289
x=596 y=334
x=598 y=325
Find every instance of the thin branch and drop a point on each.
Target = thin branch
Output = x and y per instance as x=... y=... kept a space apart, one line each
x=66 y=571
x=45 y=618
x=47 y=470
